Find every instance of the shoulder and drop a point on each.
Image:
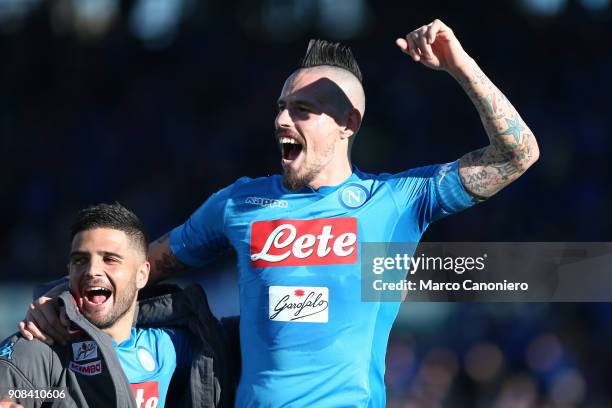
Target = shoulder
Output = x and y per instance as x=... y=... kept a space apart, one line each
x=153 y=336
x=148 y=334
x=428 y=171
x=16 y=348
x=255 y=193
x=156 y=344
x=411 y=184
x=247 y=185
x=163 y=334
x=414 y=180
x=34 y=359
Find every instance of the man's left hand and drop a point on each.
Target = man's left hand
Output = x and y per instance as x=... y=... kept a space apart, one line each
x=435 y=46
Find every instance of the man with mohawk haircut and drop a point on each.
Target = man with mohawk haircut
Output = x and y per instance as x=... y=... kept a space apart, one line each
x=307 y=339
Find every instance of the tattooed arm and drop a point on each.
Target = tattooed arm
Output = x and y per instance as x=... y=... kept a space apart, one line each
x=164 y=264
x=512 y=147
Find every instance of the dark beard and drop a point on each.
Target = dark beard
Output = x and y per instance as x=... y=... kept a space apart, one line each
x=121 y=307
x=294 y=182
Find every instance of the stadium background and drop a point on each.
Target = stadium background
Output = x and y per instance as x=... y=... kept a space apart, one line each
x=158 y=103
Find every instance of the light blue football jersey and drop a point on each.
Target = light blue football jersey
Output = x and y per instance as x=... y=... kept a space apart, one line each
x=307 y=339
x=149 y=358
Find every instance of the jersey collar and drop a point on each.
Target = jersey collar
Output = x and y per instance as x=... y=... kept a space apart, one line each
x=323 y=190
x=129 y=343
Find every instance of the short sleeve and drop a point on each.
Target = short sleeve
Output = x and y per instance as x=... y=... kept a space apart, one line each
x=435 y=191
x=202 y=236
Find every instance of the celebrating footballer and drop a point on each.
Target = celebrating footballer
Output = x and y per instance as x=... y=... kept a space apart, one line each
x=307 y=339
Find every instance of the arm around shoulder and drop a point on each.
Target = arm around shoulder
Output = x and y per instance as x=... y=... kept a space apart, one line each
x=164 y=264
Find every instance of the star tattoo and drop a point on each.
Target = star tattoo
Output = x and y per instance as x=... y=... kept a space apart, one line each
x=515 y=127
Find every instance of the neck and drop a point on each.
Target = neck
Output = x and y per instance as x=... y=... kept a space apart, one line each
x=121 y=330
x=333 y=175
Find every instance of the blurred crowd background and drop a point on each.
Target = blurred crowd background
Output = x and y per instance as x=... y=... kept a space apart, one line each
x=159 y=103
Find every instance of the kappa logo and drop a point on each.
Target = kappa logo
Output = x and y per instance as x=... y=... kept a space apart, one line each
x=6 y=349
x=267 y=202
x=353 y=196
x=84 y=350
x=146 y=394
x=322 y=241
x=307 y=304
x=93 y=368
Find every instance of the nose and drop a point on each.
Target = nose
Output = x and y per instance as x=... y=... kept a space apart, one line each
x=93 y=268
x=283 y=119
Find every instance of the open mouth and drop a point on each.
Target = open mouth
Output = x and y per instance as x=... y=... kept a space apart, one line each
x=290 y=148
x=97 y=294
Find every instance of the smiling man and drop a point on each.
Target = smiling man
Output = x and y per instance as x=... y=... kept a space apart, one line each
x=307 y=339
x=320 y=108
x=107 y=267
x=107 y=360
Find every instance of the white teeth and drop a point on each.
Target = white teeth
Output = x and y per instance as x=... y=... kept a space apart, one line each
x=288 y=140
x=95 y=288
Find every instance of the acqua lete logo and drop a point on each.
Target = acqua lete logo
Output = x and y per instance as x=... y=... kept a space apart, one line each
x=146 y=394
x=322 y=241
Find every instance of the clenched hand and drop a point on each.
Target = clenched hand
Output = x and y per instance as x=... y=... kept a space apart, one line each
x=435 y=46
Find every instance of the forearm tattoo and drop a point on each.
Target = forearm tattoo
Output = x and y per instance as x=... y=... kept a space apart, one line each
x=512 y=148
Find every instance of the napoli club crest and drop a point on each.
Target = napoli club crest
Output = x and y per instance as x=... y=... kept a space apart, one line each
x=353 y=196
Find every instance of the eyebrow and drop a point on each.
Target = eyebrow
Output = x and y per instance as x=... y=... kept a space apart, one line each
x=296 y=102
x=103 y=253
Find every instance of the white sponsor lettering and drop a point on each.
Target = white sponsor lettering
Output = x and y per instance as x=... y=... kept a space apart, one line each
x=298 y=304
x=150 y=403
x=345 y=240
x=342 y=245
x=304 y=242
x=324 y=238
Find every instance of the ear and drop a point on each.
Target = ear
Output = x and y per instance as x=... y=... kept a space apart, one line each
x=142 y=275
x=353 y=123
